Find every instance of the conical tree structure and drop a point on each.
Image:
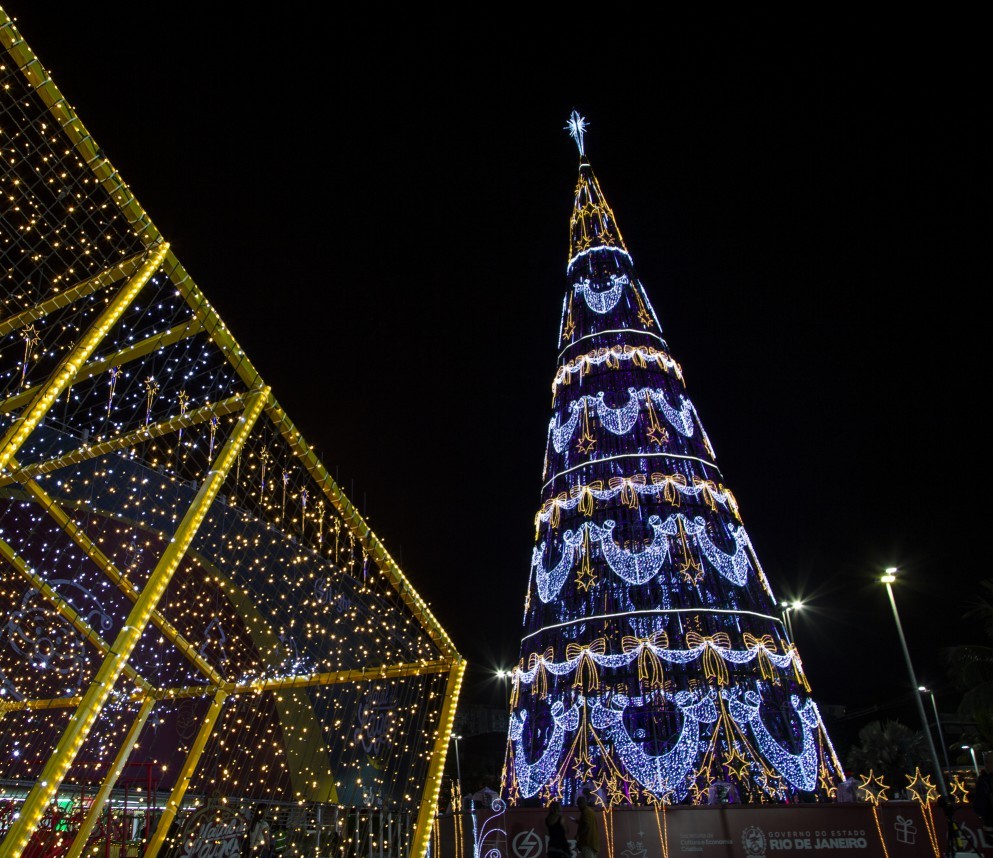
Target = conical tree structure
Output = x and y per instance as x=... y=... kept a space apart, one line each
x=653 y=661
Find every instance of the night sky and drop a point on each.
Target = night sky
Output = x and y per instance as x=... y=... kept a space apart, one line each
x=378 y=207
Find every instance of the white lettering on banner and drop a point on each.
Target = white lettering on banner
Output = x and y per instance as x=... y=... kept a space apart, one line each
x=526 y=844
x=696 y=842
x=755 y=843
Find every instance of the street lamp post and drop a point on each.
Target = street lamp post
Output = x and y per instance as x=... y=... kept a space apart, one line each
x=788 y=608
x=458 y=772
x=888 y=580
x=972 y=750
x=937 y=724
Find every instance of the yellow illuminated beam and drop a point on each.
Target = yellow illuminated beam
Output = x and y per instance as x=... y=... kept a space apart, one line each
x=334 y=677
x=85 y=287
x=436 y=766
x=185 y=776
x=122 y=442
x=362 y=531
x=143 y=347
x=50 y=703
x=107 y=786
x=64 y=609
x=66 y=371
x=107 y=566
x=103 y=682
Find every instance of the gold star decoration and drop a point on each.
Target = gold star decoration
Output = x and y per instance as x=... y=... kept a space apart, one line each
x=921 y=788
x=658 y=435
x=586 y=444
x=960 y=792
x=828 y=783
x=873 y=788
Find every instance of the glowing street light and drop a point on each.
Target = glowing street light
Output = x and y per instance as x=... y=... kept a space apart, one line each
x=788 y=608
x=888 y=580
x=972 y=750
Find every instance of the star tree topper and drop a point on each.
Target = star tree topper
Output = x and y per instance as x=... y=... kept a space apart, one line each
x=576 y=126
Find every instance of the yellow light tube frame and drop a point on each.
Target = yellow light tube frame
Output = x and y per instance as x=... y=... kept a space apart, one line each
x=121 y=358
x=107 y=566
x=65 y=610
x=370 y=674
x=65 y=372
x=436 y=767
x=185 y=776
x=100 y=688
x=107 y=277
x=122 y=442
x=107 y=786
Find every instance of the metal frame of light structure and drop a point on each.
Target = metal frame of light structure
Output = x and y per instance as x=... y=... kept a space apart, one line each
x=458 y=769
x=84 y=360
x=888 y=579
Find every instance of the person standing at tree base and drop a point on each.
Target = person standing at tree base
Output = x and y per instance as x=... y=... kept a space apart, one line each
x=981 y=796
x=558 y=845
x=588 y=834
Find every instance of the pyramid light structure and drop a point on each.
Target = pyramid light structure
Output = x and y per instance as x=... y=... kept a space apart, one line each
x=183 y=586
x=654 y=662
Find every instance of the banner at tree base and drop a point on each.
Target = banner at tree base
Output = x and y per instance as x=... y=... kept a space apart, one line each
x=895 y=829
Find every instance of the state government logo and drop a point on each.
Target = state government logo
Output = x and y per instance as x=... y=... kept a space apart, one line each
x=753 y=841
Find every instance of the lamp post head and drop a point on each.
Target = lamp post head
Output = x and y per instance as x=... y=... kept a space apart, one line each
x=890 y=575
x=923 y=688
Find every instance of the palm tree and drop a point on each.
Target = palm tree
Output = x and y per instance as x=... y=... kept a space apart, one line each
x=890 y=749
x=970 y=667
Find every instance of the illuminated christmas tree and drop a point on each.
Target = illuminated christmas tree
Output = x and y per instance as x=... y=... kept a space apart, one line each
x=653 y=660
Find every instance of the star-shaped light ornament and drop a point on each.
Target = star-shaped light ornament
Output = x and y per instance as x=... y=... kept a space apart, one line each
x=921 y=788
x=873 y=788
x=738 y=765
x=576 y=126
x=960 y=792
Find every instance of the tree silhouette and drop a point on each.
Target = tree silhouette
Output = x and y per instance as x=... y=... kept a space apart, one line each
x=890 y=749
x=970 y=667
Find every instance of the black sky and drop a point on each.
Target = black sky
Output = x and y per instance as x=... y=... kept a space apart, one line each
x=377 y=204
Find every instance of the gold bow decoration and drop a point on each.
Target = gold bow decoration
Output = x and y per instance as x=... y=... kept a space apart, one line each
x=649 y=664
x=637 y=356
x=707 y=489
x=628 y=487
x=762 y=647
x=587 y=676
x=585 y=495
x=537 y=661
x=552 y=508
x=670 y=486
x=714 y=666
